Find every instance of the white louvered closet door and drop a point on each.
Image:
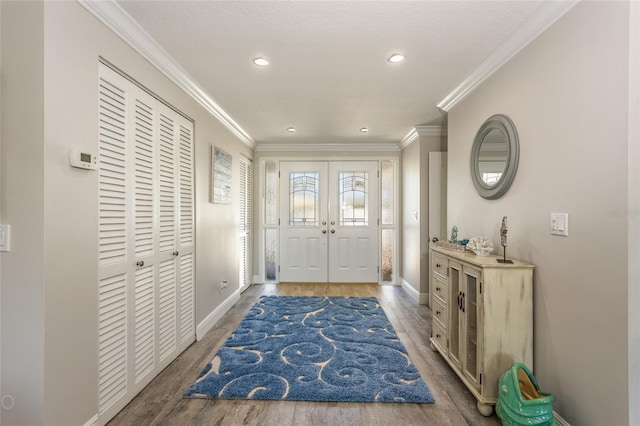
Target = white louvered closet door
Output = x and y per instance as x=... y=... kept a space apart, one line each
x=146 y=295
x=246 y=221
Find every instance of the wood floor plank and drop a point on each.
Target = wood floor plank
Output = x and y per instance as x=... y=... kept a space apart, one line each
x=161 y=402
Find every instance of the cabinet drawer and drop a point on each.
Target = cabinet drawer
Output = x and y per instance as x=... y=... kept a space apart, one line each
x=440 y=289
x=439 y=312
x=439 y=264
x=439 y=335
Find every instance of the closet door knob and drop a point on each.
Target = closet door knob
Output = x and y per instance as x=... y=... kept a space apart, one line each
x=324 y=231
x=333 y=231
x=140 y=263
x=175 y=253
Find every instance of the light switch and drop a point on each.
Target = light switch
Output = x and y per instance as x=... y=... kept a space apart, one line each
x=559 y=224
x=5 y=237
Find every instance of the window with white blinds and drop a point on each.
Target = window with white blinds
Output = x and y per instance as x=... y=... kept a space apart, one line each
x=145 y=192
x=246 y=222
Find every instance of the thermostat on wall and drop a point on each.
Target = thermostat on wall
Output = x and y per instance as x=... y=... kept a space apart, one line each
x=83 y=160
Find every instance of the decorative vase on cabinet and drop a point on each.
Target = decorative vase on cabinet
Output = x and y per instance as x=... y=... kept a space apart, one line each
x=482 y=318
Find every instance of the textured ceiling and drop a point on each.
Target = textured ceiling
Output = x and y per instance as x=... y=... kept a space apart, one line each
x=329 y=74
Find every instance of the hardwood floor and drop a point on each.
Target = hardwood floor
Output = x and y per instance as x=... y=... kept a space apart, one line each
x=161 y=402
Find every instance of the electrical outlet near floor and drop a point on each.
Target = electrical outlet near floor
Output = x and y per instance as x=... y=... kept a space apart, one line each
x=223 y=285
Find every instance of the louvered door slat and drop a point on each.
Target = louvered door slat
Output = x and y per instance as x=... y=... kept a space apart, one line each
x=167 y=183
x=245 y=222
x=186 y=184
x=144 y=323
x=167 y=308
x=112 y=340
x=112 y=186
x=187 y=320
x=144 y=176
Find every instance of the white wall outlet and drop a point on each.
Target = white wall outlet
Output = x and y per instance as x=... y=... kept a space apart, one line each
x=559 y=224
x=5 y=237
x=223 y=285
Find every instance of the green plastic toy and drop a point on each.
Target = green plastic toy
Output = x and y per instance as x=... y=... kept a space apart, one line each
x=520 y=401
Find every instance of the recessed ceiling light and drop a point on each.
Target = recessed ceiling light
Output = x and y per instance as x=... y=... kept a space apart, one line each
x=364 y=130
x=395 y=58
x=291 y=129
x=260 y=61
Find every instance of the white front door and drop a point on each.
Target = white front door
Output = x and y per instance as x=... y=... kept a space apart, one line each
x=329 y=221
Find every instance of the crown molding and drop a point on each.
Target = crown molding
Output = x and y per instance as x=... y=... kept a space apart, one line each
x=547 y=14
x=328 y=147
x=430 y=130
x=408 y=139
x=420 y=130
x=120 y=22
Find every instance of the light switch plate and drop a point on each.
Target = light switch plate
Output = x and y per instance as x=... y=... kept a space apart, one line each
x=5 y=237
x=559 y=224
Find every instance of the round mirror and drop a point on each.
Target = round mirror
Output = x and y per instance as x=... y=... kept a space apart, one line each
x=494 y=156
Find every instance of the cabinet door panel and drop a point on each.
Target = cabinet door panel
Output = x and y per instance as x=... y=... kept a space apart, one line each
x=455 y=297
x=471 y=312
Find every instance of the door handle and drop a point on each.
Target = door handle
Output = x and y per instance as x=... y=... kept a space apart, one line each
x=324 y=222
x=462 y=302
x=333 y=231
x=333 y=222
x=175 y=253
x=434 y=240
x=324 y=231
x=140 y=263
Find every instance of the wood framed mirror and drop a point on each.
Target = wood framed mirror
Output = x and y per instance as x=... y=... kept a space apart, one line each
x=494 y=156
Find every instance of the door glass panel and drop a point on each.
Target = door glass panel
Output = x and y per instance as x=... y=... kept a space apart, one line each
x=454 y=346
x=270 y=244
x=304 y=194
x=471 y=325
x=387 y=254
x=353 y=188
x=386 y=183
x=271 y=193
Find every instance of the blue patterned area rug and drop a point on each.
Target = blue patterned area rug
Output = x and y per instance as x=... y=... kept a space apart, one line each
x=313 y=349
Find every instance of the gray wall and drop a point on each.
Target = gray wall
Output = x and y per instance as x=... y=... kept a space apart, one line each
x=22 y=206
x=49 y=280
x=634 y=216
x=410 y=234
x=567 y=93
x=415 y=201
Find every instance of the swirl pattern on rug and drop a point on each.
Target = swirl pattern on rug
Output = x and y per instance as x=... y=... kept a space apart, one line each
x=305 y=348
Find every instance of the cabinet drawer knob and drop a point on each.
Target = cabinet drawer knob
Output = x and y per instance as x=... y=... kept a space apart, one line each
x=438 y=265
x=438 y=313
x=437 y=288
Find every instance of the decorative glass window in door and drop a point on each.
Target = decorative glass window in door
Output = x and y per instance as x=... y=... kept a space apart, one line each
x=354 y=196
x=304 y=194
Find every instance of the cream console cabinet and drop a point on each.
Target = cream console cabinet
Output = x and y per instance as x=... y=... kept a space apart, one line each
x=482 y=318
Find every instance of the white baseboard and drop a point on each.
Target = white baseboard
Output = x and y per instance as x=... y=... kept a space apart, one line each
x=560 y=420
x=211 y=319
x=421 y=298
x=93 y=421
x=410 y=290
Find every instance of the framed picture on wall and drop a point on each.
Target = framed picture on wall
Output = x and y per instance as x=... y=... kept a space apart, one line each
x=221 y=169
